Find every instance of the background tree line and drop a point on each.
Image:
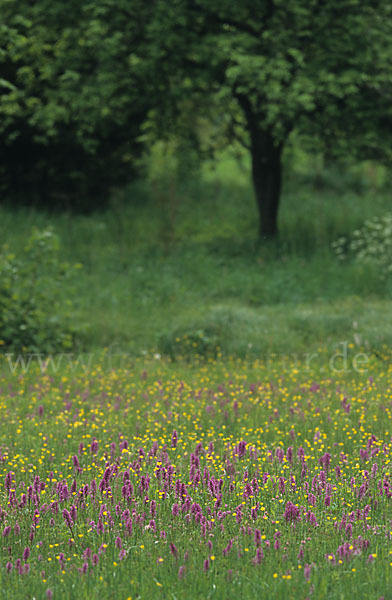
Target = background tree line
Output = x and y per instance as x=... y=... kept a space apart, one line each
x=86 y=87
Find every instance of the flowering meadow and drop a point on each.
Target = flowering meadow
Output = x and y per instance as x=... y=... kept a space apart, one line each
x=218 y=479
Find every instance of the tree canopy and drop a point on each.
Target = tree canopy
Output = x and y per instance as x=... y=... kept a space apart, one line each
x=78 y=80
x=71 y=100
x=320 y=68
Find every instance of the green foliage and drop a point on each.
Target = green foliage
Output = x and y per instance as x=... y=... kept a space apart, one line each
x=300 y=66
x=271 y=69
x=35 y=313
x=371 y=244
x=85 y=87
x=71 y=102
x=195 y=342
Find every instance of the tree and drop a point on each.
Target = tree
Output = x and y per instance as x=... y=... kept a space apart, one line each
x=72 y=100
x=321 y=67
x=79 y=79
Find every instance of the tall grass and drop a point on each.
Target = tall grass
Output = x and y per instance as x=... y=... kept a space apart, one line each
x=170 y=258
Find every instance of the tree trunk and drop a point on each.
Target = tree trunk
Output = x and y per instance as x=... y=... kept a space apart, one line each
x=266 y=157
x=267 y=177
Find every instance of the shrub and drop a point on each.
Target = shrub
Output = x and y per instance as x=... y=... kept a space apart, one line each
x=36 y=315
x=188 y=343
x=371 y=244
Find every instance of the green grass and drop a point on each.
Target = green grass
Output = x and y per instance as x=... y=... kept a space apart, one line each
x=53 y=417
x=169 y=259
x=278 y=345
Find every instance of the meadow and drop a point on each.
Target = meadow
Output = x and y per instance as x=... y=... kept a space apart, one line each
x=222 y=428
x=168 y=259
x=210 y=480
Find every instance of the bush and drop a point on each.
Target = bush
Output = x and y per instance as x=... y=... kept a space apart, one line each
x=220 y=330
x=35 y=312
x=372 y=244
x=189 y=343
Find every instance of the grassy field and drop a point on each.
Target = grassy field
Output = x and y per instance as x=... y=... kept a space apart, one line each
x=223 y=427
x=168 y=260
x=210 y=480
